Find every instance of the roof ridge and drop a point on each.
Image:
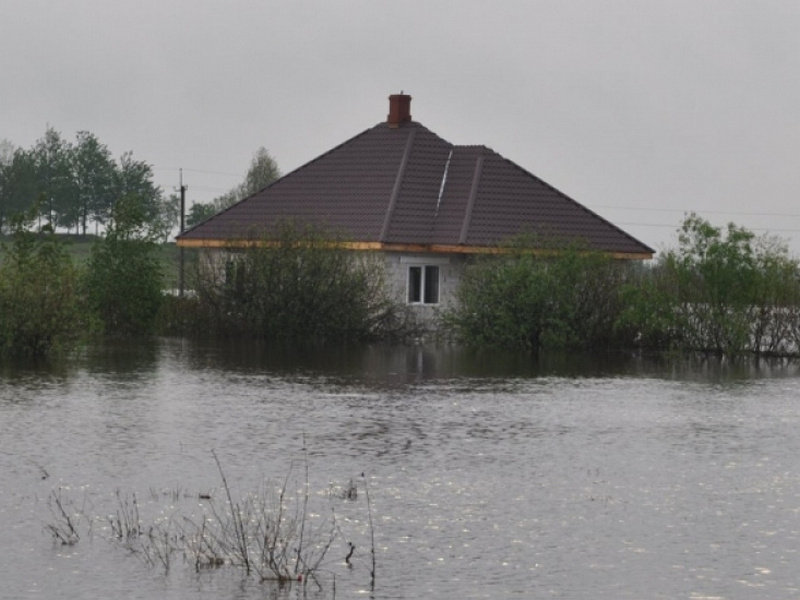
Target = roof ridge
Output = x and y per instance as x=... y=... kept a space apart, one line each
x=398 y=183
x=473 y=194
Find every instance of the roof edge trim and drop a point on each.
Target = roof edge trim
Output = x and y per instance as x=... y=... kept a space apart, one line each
x=394 y=247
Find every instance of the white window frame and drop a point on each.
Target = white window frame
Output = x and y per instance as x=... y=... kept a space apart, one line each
x=423 y=270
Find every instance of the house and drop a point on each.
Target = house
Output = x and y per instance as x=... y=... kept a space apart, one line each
x=427 y=205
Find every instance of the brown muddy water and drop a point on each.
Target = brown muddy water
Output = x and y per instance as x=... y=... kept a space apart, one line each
x=489 y=476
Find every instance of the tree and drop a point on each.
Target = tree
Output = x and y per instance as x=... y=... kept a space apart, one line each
x=94 y=171
x=199 y=212
x=721 y=291
x=6 y=156
x=565 y=298
x=124 y=279
x=19 y=185
x=301 y=287
x=263 y=171
x=6 y=152
x=57 y=184
x=40 y=307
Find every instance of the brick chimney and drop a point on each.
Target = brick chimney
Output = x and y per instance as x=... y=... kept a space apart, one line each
x=399 y=109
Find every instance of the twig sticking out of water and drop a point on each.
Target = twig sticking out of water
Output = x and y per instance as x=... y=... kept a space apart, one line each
x=371 y=533
x=238 y=522
x=126 y=524
x=305 y=508
x=63 y=529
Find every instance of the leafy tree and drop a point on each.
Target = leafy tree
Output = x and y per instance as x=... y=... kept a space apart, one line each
x=300 y=287
x=94 y=171
x=40 y=306
x=78 y=183
x=6 y=152
x=263 y=171
x=124 y=279
x=532 y=300
x=58 y=189
x=199 y=212
x=19 y=185
x=721 y=291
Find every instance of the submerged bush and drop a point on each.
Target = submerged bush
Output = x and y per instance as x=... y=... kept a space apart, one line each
x=124 y=279
x=722 y=292
x=40 y=308
x=300 y=286
x=523 y=300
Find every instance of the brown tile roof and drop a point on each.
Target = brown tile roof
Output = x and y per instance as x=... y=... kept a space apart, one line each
x=406 y=185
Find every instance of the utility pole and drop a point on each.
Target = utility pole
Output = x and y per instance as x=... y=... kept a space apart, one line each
x=183 y=226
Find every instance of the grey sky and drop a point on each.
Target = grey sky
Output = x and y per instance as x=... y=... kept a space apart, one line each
x=639 y=110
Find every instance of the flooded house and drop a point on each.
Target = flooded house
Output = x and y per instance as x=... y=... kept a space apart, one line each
x=425 y=204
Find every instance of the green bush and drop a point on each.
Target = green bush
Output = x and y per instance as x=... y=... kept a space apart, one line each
x=567 y=298
x=40 y=307
x=124 y=279
x=300 y=286
x=719 y=292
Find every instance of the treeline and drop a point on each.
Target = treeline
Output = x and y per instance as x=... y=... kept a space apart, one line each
x=298 y=289
x=75 y=185
x=49 y=305
x=720 y=291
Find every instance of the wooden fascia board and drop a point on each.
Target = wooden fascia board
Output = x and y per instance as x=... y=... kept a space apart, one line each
x=394 y=247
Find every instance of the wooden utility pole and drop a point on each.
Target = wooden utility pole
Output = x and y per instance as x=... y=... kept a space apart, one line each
x=183 y=226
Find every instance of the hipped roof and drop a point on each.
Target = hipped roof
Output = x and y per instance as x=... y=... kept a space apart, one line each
x=405 y=187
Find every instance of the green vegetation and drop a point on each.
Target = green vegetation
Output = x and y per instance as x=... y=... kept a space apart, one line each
x=299 y=287
x=124 y=278
x=567 y=299
x=263 y=171
x=40 y=303
x=719 y=292
x=78 y=184
x=722 y=292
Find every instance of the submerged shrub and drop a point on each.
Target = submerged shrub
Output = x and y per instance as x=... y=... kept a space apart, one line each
x=300 y=286
x=567 y=298
x=124 y=280
x=725 y=292
x=40 y=308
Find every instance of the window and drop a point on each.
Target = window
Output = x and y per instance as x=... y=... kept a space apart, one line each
x=423 y=285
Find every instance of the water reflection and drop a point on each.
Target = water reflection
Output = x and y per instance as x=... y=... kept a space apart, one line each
x=410 y=364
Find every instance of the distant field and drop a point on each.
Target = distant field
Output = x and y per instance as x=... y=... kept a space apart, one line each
x=80 y=246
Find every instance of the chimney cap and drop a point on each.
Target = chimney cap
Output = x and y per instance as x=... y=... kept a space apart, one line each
x=399 y=109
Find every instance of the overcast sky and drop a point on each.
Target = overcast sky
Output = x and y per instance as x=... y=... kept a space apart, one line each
x=640 y=110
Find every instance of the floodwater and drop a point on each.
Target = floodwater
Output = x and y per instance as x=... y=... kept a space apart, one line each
x=487 y=476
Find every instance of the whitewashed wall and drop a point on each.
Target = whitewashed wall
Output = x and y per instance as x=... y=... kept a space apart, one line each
x=451 y=267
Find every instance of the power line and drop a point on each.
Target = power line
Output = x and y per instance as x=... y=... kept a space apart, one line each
x=676 y=227
x=198 y=171
x=699 y=211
